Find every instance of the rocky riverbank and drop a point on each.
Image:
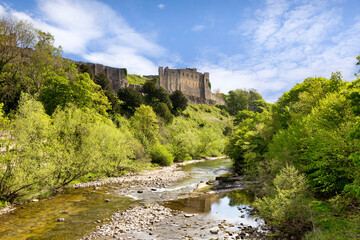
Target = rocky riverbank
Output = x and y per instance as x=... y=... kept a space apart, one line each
x=154 y=221
x=159 y=177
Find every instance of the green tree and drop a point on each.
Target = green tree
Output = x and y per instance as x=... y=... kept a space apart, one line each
x=155 y=94
x=26 y=164
x=144 y=125
x=102 y=80
x=287 y=210
x=179 y=101
x=131 y=100
x=163 y=111
x=237 y=101
x=84 y=68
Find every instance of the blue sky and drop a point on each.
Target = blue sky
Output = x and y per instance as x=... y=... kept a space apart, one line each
x=268 y=45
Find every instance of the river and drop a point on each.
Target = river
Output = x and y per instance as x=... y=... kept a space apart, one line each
x=85 y=208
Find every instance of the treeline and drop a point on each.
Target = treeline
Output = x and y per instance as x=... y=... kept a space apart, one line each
x=305 y=150
x=60 y=123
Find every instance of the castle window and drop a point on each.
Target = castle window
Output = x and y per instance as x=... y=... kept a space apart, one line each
x=187 y=74
x=183 y=74
x=191 y=76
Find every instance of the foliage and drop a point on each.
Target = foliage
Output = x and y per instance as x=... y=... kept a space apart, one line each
x=136 y=79
x=144 y=125
x=240 y=100
x=84 y=68
x=26 y=163
x=155 y=94
x=160 y=155
x=102 y=80
x=60 y=130
x=179 y=101
x=188 y=140
x=81 y=91
x=287 y=210
x=131 y=100
x=163 y=111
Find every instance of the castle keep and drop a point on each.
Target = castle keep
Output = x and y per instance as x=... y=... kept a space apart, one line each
x=194 y=85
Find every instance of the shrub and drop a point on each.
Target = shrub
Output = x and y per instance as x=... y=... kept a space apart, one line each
x=163 y=111
x=159 y=154
x=288 y=211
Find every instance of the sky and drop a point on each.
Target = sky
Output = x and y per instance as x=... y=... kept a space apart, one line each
x=267 y=45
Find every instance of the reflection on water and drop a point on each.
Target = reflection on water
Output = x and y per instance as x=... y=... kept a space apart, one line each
x=231 y=206
x=202 y=171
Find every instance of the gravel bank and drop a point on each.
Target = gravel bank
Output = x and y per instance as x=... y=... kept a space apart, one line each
x=153 y=221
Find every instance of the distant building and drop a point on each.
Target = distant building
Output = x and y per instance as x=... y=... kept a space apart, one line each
x=194 y=85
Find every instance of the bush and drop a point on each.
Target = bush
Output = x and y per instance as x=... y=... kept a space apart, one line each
x=163 y=111
x=288 y=211
x=159 y=154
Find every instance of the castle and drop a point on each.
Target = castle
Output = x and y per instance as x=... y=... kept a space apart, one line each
x=194 y=85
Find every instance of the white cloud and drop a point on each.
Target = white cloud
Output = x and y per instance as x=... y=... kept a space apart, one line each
x=95 y=32
x=198 y=28
x=161 y=6
x=288 y=42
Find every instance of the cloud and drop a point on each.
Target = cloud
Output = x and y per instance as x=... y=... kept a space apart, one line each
x=198 y=28
x=161 y=6
x=286 y=42
x=93 y=31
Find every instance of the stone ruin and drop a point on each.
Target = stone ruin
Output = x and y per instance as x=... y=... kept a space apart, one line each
x=194 y=85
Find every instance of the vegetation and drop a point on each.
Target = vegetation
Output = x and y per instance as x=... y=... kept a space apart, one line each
x=60 y=123
x=136 y=79
x=304 y=149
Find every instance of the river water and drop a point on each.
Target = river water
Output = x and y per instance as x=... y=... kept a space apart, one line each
x=83 y=207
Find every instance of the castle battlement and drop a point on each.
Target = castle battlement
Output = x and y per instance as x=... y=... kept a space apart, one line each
x=193 y=84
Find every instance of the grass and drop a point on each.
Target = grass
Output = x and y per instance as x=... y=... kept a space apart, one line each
x=328 y=225
x=136 y=79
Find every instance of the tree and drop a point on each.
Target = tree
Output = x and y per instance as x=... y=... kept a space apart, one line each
x=131 y=100
x=84 y=68
x=102 y=80
x=179 y=101
x=154 y=94
x=163 y=111
x=145 y=125
x=287 y=210
x=58 y=90
x=28 y=165
x=15 y=35
x=237 y=101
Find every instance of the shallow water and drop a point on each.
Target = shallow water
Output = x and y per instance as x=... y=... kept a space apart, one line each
x=81 y=208
x=231 y=206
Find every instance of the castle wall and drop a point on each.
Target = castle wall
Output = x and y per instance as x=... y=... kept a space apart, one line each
x=117 y=76
x=194 y=85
